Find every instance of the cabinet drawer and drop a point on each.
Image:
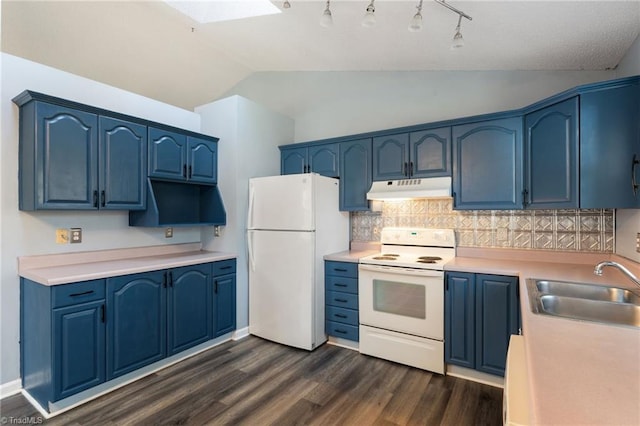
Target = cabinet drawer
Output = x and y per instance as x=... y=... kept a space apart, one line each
x=343 y=300
x=341 y=269
x=72 y=294
x=344 y=331
x=224 y=267
x=345 y=316
x=348 y=285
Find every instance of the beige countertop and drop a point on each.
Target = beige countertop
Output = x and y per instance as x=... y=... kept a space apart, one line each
x=579 y=372
x=349 y=255
x=75 y=267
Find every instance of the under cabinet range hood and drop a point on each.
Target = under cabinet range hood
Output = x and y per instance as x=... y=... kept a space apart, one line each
x=410 y=188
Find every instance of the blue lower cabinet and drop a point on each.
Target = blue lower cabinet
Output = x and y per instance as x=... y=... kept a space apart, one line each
x=481 y=313
x=62 y=338
x=189 y=308
x=341 y=300
x=136 y=321
x=224 y=297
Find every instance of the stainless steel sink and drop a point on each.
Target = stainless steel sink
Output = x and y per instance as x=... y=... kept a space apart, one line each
x=589 y=302
x=587 y=291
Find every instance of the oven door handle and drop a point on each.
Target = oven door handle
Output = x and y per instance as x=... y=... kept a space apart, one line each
x=401 y=271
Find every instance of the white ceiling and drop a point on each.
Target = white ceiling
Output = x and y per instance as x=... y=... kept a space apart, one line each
x=150 y=48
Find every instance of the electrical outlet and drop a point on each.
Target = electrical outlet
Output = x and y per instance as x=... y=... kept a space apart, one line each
x=168 y=232
x=216 y=231
x=638 y=242
x=76 y=235
x=62 y=236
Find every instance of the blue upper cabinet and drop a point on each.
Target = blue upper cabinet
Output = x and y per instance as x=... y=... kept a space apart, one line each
x=609 y=144
x=551 y=153
x=430 y=153
x=487 y=164
x=391 y=157
x=322 y=159
x=179 y=157
x=58 y=158
x=122 y=164
x=420 y=154
x=203 y=160
x=355 y=174
x=167 y=154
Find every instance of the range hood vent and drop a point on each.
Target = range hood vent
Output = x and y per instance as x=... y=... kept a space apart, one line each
x=410 y=188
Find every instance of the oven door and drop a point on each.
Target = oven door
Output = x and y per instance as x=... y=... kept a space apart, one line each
x=402 y=299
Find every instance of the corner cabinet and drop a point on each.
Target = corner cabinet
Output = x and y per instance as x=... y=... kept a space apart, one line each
x=322 y=159
x=481 y=313
x=341 y=313
x=180 y=157
x=70 y=159
x=79 y=335
x=551 y=152
x=487 y=164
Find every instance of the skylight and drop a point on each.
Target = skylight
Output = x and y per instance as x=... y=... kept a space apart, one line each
x=206 y=11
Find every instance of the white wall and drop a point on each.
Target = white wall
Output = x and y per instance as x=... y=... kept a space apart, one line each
x=328 y=104
x=630 y=63
x=29 y=233
x=249 y=137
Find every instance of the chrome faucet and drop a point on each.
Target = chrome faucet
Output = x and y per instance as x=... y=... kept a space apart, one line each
x=601 y=265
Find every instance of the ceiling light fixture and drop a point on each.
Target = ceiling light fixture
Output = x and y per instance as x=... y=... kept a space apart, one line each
x=286 y=4
x=369 y=19
x=416 y=22
x=457 y=41
x=326 y=20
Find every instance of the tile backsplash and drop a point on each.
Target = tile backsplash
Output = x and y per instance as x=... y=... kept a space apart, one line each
x=566 y=230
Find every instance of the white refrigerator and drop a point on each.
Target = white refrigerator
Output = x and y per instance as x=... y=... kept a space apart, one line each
x=293 y=221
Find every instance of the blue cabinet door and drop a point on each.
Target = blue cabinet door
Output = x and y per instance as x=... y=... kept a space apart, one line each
x=551 y=153
x=79 y=348
x=391 y=157
x=293 y=161
x=355 y=174
x=609 y=144
x=136 y=321
x=66 y=170
x=487 y=164
x=324 y=159
x=460 y=304
x=430 y=153
x=189 y=307
x=496 y=320
x=167 y=154
x=224 y=297
x=202 y=164
x=122 y=164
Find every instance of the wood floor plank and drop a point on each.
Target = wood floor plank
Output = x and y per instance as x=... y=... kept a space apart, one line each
x=257 y=382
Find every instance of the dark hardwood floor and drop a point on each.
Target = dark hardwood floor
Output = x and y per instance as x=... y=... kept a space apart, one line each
x=256 y=382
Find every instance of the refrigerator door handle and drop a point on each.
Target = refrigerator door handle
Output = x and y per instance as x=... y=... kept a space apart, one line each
x=250 y=209
x=250 y=249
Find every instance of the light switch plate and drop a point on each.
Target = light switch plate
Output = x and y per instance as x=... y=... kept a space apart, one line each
x=76 y=235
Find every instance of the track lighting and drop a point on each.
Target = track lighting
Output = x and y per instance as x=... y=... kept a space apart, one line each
x=369 y=19
x=326 y=20
x=457 y=41
x=286 y=4
x=416 y=22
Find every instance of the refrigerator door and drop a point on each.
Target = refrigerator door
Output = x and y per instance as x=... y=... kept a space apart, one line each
x=281 y=203
x=282 y=305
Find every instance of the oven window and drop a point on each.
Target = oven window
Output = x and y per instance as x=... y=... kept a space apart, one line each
x=399 y=298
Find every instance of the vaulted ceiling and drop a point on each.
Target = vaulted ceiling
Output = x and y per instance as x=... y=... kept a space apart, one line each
x=149 y=48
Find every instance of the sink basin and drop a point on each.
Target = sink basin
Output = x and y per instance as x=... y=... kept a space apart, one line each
x=587 y=291
x=587 y=302
x=590 y=310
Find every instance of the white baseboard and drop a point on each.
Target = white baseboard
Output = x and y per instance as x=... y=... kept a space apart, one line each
x=240 y=334
x=343 y=343
x=475 y=376
x=10 y=388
